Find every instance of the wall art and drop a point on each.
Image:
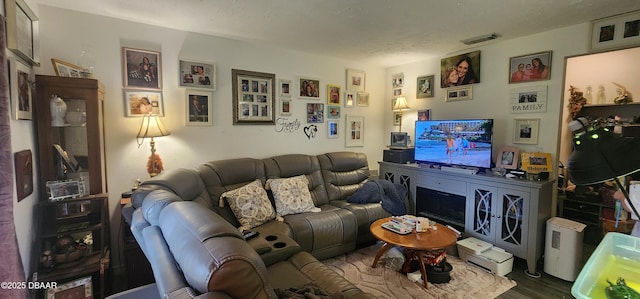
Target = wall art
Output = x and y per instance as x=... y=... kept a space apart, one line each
x=21 y=96
x=22 y=31
x=199 y=107
x=310 y=131
x=397 y=80
x=285 y=88
x=333 y=129
x=529 y=99
x=333 y=95
x=253 y=97
x=616 y=32
x=198 y=74
x=285 y=106
x=142 y=68
x=354 y=130
x=315 y=113
x=350 y=98
x=460 y=69
x=530 y=67
x=309 y=88
x=425 y=87
x=424 y=114
x=363 y=99
x=460 y=93
x=141 y=102
x=66 y=69
x=525 y=131
x=355 y=80
x=24 y=173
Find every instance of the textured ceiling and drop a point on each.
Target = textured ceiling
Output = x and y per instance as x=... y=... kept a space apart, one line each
x=383 y=32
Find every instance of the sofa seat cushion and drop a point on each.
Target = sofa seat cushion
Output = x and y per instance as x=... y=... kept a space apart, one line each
x=324 y=234
x=366 y=214
x=250 y=204
x=291 y=195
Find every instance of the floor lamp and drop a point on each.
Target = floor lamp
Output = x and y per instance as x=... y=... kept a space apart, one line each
x=401 y=103
x=600 y=155
x=152 y=127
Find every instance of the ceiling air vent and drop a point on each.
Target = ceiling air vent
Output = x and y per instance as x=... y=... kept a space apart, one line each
x=479 y=39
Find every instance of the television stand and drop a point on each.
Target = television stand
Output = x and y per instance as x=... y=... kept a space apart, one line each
x=459 y=170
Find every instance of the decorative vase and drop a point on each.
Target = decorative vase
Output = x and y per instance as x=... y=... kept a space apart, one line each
x=76 y=118
x=58 y=111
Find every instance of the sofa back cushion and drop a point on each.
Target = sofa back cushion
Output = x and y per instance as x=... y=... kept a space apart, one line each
x=286 y=166
x=226 y=175
x=185 y=183
x=250 y=204
x=212 y=254
x=343 y=173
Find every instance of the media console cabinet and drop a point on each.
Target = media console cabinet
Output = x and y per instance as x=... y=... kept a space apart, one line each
x=509 y=213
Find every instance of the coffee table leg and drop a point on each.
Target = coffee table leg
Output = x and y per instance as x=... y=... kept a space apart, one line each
x=422 y=268
x=385 y=247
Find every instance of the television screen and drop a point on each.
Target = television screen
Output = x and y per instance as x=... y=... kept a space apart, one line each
x=454 y=142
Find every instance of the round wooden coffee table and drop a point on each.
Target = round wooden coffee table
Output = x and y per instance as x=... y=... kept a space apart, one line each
x=421 y=243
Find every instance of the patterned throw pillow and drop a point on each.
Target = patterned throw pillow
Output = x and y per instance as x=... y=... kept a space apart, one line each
x=292 y=195
x=250 y=204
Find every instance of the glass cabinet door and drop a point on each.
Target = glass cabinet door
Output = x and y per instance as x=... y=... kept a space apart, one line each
x=483 y=218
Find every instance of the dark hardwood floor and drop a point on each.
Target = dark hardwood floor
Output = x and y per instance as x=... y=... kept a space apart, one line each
x=546 y=286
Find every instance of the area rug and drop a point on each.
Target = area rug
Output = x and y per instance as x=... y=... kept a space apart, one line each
x=467 y=281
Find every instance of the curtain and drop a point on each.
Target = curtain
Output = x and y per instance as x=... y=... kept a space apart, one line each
x=11 y=269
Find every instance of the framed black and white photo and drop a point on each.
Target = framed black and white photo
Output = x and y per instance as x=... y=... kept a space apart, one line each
x=508 y=157
x=355 y=80
x=309 y=88
x=459 y=93
x=399 y=140
x=21 y=97
x=253 y=97
x=22 y=31
x=531 y=99
x=425 y=87
x=141 y=68
x=354 y=131
x=198 y=74
x=615 y=32
x=525 y=131
x=198 y=107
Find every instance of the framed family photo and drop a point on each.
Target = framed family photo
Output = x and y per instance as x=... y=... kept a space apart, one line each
x=461 y=69
x=141 y=102
x=355 y=80
x=333 y=94
x=66 y=69
x=253 y=97
x=22 y=31
x=525 y=131
x=615 y=32
x=141 y=68
x=530 y=67
x=198 y=74
x=529 y=99
x=425 y=87
x=460 y=93
x=21 y=96
x=354 y=131
x=309 y=88
x=198 y=107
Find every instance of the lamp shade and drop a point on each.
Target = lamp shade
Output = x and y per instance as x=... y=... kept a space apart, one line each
x=401 y=103
x=600 y=155
x=152 y=127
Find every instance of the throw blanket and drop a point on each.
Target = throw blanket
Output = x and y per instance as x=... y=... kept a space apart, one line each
x=307 y=291
x=391 y=195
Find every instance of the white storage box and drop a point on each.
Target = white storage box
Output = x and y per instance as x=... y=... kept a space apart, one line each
x=485 y=256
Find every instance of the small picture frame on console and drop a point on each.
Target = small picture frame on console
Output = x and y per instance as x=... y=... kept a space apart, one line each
x=508 y=157
x=399 y=139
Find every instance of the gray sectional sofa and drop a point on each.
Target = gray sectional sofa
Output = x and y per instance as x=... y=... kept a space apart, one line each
x=195 y=248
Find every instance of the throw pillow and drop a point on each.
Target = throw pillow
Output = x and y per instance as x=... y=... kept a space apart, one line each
x=250 y=204
x=292 y=195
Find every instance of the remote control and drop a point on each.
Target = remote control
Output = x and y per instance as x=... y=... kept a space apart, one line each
x=250 y=234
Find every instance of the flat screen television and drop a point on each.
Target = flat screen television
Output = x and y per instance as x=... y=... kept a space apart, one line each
x=463 y=142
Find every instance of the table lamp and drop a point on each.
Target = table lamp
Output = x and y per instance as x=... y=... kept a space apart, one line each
x=401 y=103
x=600 y=155
x=152 y=127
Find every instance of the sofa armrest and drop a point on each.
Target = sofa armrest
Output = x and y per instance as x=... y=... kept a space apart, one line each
x=168 y=277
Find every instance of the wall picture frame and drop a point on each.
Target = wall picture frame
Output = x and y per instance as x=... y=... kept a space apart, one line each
x=333 y=112
x=350 y=98
x=507 y=157
x=66 y=69
x=198 y=75
x=615 y=32
x=23 y=31
x=309 y=88
x=525 y=131
x=142 y=69
x=285 y=88
x=20 y=88
x=334 y=97
x=363 y=99
x=469 y=62
x=23 y=163
x=333 y=129
x=424 y=114
x=285 y=106
x=396 y=118
x=397 y=80
x=139 y=102
x=354 y=129
x=530 y=67
x=198 y=107
x=77 y=289
x=459 y=93
x=253 y=97
x=532 y=99
x=425 y=87
x=315 y=113
x=356 y=80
